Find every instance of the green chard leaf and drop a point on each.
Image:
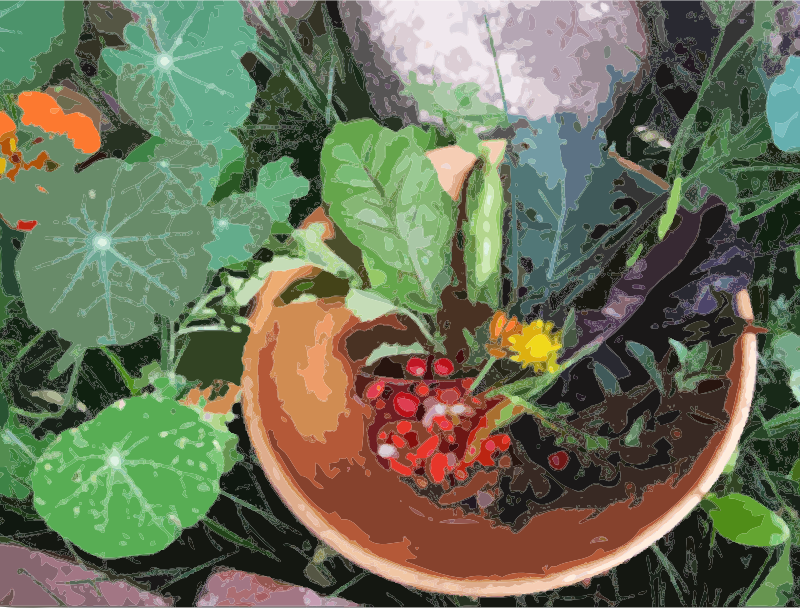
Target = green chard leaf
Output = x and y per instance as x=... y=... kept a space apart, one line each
x=120 y=251
x=209 y=92
x=127 y=482
x=645 y=356
x=484 y=232
x=385 y=196
x=278 y=186
x=36 y=39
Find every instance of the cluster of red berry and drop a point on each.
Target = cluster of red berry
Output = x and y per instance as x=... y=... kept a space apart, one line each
x=423 y=426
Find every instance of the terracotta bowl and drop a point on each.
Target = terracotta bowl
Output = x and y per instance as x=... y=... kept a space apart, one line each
x=311 y=433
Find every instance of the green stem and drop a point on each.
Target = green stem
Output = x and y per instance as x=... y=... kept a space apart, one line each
x=747 y=593
x=766 y=477
x=481 y=375
x=496 y=65
x=129 y=382
x=349 y=584
x=679 y=147
x=667 y=565
x=167 y=344
x=22 y=352
x=73 y=379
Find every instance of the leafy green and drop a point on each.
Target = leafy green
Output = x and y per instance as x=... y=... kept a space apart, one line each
x=178 y=163
x=669 y=213
x=195 y=41
x=278 y=186
x=311 y=247
x=240 y=226
x=776 y=590
x=232 y=159
x=27 y=30
x=692 y=363
x=463 y=114
x=782 y=110
x=368 y=306
x=484 y=232
x=645 y=356
x=385 y=196
x=119 y=253
x=632 y=438
x=19 y=450
x=564 y=191
x=127 y=482
x=743 y=520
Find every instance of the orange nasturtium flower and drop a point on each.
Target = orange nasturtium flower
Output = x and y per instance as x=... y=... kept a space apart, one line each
x=41 y=110
x=500 y=331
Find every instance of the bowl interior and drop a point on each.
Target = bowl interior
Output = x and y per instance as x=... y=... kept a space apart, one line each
x=311 y=435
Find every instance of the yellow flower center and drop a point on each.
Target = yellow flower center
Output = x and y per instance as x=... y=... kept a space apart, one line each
x=539 y=347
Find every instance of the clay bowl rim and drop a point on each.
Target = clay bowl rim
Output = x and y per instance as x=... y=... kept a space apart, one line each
x=315 y=521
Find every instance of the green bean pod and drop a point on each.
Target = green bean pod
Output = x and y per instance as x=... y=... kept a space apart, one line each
x=483 y=230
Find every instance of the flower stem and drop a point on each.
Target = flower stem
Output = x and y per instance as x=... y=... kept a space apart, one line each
x=479 y=378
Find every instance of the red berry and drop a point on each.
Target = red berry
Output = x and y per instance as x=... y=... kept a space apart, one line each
x=422 y=389
x=438 y=463
x=416 y=367
x=374 y=390
x=558 y=460
x=406 y=404
x=403 y=427
x=443 y=367
x=448 y=395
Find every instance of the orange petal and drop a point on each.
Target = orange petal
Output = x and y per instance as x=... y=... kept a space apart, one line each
x=498 y=322
x=6 y=124
x=497 y=353
x=41 y=110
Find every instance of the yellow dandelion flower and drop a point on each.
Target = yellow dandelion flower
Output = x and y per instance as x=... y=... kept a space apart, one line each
x=537 y=345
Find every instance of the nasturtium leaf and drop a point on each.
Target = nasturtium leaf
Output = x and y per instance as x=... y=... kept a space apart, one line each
x=385 y=196
x=782 y=108
x=113 y=253
x=127 y=482
x=35 y=39
x=240 y=226
x=776 y=590
x=645 y=356
x=231 y=159
x=389 y=350
x=743 y=520
x=30 y=195
x=19 y=450
x=176 y=162
x=194 y=47
x=278 y=186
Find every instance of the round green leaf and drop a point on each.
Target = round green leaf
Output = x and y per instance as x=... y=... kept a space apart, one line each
x=119 y=248
x=278 y=186
x=127 y=482
x=240 y=226
x=195 y=49
x=178 y=161
x=26 y=30
x=743 y=520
